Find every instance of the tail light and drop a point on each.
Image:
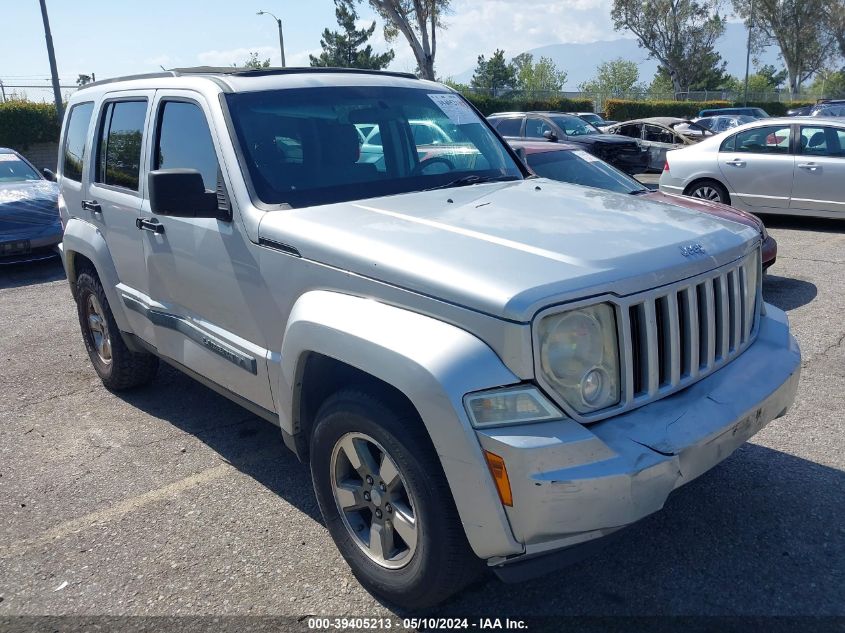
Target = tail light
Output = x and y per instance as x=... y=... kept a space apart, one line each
x=666 y=166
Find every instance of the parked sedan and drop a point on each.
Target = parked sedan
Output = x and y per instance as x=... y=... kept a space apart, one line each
x=624 y=154
x=568 y=163
x=660 y=134
x=792 y=166
x=29 y=216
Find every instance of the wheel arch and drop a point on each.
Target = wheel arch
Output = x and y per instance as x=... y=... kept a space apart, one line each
x=83 y=245
x=425 y=364
x=702 y=179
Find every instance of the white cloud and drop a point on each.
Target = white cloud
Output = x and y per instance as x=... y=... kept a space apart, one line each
x=239 y=56
x=160 y=60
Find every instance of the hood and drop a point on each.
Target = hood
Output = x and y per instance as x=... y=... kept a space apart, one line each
x=511 y=249
x=27 y=207
x=707 y=206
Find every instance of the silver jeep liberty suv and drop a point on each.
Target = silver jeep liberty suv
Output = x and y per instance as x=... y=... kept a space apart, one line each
x=482 y=368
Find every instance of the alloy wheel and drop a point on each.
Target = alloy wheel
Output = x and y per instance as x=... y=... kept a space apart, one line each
x=374 y=500
x=98 y=328
x=707 y=192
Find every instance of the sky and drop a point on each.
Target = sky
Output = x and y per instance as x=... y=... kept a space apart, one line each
x=119 y=37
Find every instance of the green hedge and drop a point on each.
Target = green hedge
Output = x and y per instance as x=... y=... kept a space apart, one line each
x=23 y=123
x=624 y=110
x=488 y=105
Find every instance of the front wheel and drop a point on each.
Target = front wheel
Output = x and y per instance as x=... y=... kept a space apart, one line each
x=709 y=190
x=386 y=502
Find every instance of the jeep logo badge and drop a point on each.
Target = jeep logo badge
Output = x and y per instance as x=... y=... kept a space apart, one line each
x=693 y=249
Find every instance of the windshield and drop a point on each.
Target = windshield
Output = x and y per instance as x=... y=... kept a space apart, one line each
x=311 y=146
x=13 y=169
x=595 y=119
x=573 y=126
x=580 y=168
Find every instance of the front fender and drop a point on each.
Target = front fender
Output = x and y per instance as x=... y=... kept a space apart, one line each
x=434 y=364
x=83 y=238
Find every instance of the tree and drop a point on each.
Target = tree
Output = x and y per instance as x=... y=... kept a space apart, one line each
x=661 y=85
x=83 y=80
x=801 y=29
x=680 y=34
x=829 y=83
x=255 y=63
x=343 y=49
x=418 y=21
x=494 y=74
x=615 y=78
x=836 y=19
x=542 y=76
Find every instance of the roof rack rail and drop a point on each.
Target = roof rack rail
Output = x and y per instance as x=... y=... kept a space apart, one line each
x=246 y=72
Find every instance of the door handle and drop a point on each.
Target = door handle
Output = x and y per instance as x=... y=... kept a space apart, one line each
x=92 y=205
x=736 y=162
x=808 y=166
x=153 y=225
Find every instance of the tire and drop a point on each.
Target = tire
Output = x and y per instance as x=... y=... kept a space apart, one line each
x=117 y=366
x=436 y=562
x=709 y=190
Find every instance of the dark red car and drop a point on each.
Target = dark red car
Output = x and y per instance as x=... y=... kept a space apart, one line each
x=569 y=163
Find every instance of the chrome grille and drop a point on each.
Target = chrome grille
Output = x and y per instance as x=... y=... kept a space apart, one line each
x=685 y=332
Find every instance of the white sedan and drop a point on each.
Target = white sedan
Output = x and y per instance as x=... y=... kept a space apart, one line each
x=792 y=166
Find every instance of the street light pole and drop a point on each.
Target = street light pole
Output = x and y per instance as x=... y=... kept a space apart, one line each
x=57 y=95
x=748 y=51
x=281 y=35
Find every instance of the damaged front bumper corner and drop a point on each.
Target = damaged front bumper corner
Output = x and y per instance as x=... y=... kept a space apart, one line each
x=573 y=484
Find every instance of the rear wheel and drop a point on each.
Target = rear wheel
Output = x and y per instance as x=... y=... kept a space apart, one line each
x=709 y=190
x=386 y=502
x=116 y=365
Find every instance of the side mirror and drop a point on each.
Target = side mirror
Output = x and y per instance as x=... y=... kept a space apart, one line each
x=48 y=174
x=181 y=193
x=550 y=136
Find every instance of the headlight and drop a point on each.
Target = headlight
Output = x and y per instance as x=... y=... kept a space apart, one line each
x=579 y=356
x=752 y=281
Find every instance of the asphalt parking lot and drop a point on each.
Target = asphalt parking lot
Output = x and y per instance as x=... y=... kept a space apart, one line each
x=170 y=500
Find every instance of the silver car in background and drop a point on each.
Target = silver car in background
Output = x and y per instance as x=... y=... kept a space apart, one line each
x=792 y=166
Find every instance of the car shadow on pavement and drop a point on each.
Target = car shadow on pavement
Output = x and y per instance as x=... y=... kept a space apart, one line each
x=803 y=223
x=19 y=275
x=760 y=534
x=246 y=441
x=787 y=293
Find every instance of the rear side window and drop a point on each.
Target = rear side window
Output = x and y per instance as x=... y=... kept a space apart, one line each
x=509 y=127
x=119 y=149
x=184 y=141
x=772 y=139
x=74 y=149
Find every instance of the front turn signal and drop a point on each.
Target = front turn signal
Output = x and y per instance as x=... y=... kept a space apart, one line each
x=500 y=475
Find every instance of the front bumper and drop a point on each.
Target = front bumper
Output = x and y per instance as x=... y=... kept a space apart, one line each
x=573 y=484
x=39 y=247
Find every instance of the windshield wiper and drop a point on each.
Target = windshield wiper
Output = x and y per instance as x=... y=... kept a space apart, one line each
x=472 y=179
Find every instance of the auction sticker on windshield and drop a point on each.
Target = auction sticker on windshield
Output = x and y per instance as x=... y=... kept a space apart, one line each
x=455 y=108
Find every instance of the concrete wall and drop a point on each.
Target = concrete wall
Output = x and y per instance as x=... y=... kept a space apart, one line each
x=42 y=155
